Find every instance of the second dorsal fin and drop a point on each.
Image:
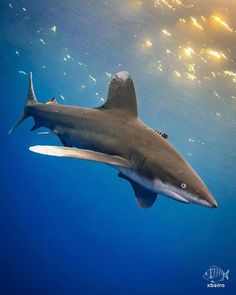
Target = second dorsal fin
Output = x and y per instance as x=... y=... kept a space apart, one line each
x=121 y=95
x=52 y=100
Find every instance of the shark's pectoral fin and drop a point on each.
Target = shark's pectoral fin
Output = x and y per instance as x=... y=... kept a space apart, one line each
x=145 y=197
x=68 y=152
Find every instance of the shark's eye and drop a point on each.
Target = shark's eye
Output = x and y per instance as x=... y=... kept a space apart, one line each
x=183 y=185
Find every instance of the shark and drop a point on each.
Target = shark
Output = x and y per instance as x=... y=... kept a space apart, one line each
x=114 y=134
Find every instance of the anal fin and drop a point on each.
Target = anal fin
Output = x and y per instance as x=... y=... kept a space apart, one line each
x=145 y=197
x=51 y=132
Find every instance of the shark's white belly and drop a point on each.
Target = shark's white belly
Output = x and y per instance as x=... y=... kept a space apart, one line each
x=155 y=186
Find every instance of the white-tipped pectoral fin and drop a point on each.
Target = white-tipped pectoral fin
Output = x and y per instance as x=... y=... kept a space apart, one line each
x=67 y=152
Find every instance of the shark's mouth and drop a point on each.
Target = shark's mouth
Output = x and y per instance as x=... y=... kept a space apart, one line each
x=175 y=196
x=187 y=199
x=168 y=191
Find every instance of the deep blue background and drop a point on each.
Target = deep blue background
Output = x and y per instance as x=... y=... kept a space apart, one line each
x=73 y=227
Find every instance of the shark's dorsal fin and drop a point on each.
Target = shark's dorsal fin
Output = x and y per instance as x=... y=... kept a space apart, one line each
x=145 y=197
x=121 y=95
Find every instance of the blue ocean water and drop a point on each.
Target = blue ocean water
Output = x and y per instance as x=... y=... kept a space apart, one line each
x=73 y=227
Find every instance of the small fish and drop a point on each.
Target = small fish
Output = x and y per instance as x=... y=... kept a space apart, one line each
x=163 y=134
x=215 y=274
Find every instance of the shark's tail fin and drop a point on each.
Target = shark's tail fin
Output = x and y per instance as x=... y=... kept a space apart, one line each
x=31 y=99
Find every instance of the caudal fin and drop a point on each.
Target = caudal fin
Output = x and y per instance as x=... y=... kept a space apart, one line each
x=22 y=118
x=31 y=99
x=226 y=274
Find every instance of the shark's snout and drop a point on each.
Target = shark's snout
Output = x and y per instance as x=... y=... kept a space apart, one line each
x=207 y=200
x=197 y=194
x=202 y=196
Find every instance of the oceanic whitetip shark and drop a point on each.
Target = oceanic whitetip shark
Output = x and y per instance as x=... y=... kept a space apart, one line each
x=114 y=134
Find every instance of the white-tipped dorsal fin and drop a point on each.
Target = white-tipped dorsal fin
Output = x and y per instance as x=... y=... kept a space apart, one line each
x=121 y=95
x=59 y=151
